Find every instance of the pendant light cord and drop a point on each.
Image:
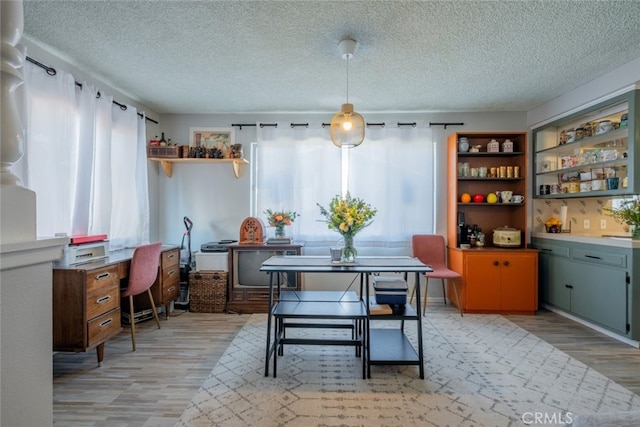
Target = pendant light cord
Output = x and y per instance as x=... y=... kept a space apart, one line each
x=348 y=58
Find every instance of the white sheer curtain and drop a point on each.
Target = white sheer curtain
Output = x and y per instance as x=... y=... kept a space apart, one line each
x=392 y=170
x=84 y=158
x=296 y=169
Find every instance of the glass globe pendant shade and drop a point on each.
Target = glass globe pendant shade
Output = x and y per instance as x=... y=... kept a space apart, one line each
x=347 y=128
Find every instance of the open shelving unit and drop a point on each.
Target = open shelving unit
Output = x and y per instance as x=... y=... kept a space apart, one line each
x=167 y=163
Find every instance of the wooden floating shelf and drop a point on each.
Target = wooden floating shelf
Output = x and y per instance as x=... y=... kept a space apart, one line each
x=167 y=164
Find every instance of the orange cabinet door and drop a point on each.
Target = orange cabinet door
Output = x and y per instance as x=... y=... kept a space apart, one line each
x=482 y=282
x=519 y=280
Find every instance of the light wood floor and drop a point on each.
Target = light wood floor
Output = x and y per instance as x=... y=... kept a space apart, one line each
x=151 y=386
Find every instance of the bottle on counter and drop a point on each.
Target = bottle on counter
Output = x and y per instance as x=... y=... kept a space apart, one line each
x=163 y=142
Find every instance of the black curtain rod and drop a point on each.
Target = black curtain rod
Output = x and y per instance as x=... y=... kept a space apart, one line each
x=52 y=72
x=239 y=125
x=446 y=124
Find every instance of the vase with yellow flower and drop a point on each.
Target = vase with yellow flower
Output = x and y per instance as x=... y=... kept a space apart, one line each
x=348 y=215
x=280 y=220
x=628 y=212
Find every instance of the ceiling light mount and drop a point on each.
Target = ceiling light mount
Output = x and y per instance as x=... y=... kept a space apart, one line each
x=347 y=126
x=347 y=47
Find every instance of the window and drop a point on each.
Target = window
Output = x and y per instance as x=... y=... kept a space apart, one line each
x=294 y=169
x=85 y=159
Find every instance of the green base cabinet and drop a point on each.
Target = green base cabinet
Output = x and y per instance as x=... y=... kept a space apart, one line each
x=592 y=282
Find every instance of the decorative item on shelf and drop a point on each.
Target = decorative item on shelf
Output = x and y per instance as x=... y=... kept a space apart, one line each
x=628 y=212
x=493 y=146
x=280 y=220
x=571 y=136
x=562 y=139
x=613 y=183
x=604 y=126
x=236 y=151
x=251 y=231
x=348 y=215
x=624 y=120
x=507 y=146
x=475 y=149
x=463 y=144
x=347 y=126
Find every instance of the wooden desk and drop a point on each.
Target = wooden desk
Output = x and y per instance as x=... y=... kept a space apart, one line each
x=378 y=349
x=86 y=298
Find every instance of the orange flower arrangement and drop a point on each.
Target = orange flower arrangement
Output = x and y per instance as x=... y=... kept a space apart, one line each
x=280 y=219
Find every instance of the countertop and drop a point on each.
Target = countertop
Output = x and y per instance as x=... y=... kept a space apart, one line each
x=620 y=242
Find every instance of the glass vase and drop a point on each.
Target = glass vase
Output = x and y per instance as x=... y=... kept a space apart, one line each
x=280 y=230
x=635 y=233
x=349 y=251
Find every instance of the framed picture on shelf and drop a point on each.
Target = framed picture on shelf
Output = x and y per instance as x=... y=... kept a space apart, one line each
x=221 y=138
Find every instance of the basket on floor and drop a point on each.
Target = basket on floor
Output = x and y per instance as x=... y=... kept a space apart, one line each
x=207 y=291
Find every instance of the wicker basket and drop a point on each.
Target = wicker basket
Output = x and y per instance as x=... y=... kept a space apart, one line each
x=172 y=152
x=207 y=291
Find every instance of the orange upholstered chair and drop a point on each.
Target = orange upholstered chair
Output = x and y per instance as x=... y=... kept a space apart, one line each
x=430 y=250
x=142 y=274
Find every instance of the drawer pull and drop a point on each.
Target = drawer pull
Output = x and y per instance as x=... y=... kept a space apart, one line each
x=171 y=256
x=102 y=276
x=171 y=289
x=496 y=263
x=568 y=286
x=103 y=299
x=171 y=273
x=546 y=250
x=106 y=322
x=506 y=263
x=592 y=257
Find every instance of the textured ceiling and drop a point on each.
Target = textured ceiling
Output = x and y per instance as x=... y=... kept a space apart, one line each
x=282 y=56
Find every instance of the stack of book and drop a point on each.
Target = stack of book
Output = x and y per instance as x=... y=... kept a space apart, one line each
x=279 y=241
x=375 y=308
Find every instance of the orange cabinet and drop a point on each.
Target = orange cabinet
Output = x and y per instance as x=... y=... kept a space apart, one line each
x=494 y=279
x=497 y=280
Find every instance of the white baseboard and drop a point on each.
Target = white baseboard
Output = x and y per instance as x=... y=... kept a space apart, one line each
x=600 y=329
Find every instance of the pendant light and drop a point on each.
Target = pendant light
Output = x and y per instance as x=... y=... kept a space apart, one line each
x=347 y=126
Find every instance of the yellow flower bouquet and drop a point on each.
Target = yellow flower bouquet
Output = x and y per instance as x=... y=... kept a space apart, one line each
x=348 y=216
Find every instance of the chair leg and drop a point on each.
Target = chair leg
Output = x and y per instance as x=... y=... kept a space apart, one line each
x=413 y=292
x=455 y=290
x=444 y=293
x=132 y=322
x=153 y=307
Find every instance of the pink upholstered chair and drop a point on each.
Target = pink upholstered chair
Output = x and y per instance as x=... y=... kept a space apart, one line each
x=142 y=274
x=430 y=249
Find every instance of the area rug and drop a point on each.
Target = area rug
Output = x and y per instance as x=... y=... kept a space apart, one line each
x=480 y=370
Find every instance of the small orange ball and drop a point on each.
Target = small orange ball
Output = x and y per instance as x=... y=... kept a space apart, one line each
x=465 y=198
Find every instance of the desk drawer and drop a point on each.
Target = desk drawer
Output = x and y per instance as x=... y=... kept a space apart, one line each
x=100 y=278
x=104 y=300
x=170 y=258
x=103 y=327
x=170 y=283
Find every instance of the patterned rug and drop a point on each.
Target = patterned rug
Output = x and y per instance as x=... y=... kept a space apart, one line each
x=480 y=370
